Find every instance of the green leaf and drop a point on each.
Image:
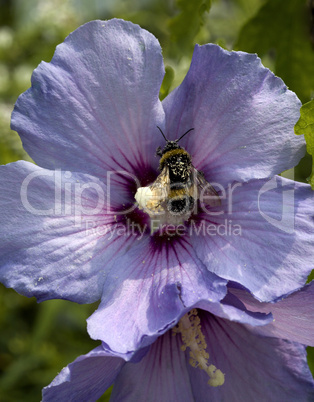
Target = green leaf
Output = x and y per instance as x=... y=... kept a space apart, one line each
x=186 y=25
x=167 y=82
x=282 y=30
x=305 y=125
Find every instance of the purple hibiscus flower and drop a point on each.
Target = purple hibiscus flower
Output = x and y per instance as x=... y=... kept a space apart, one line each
x=70 y=227
x=220 y=352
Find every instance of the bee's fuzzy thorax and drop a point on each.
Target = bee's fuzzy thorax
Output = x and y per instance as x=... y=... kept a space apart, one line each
x=171 y=153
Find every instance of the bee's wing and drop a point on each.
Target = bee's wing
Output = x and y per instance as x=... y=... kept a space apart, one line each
x=205 y=191
x=162 y=181
x=160 y=189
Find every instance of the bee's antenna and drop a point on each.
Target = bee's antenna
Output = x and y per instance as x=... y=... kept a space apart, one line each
x=184 y=134
x=162 y=133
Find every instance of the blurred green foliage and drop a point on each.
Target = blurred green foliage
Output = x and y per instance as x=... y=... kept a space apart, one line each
x=305 y=126
x=36 y=341
x=281 y=30
x=185 y=25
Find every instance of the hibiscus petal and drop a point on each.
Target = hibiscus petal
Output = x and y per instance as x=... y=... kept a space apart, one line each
x=293 y=316
x=256 y=368
x=161 y=375
x=95 y=106
x=56 y=240
x=243 y=117
x=233 y=309
x=86 y=379
x=263 y=239
x=147 y=291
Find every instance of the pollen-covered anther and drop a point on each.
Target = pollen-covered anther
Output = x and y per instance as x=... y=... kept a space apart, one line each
x=192 y=337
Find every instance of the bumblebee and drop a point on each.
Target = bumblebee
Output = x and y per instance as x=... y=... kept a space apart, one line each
x=179 y=185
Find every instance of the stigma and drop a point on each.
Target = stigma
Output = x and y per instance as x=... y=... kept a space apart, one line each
x=192 y=337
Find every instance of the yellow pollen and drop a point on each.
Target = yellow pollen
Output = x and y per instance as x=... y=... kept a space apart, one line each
x=192 y=337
